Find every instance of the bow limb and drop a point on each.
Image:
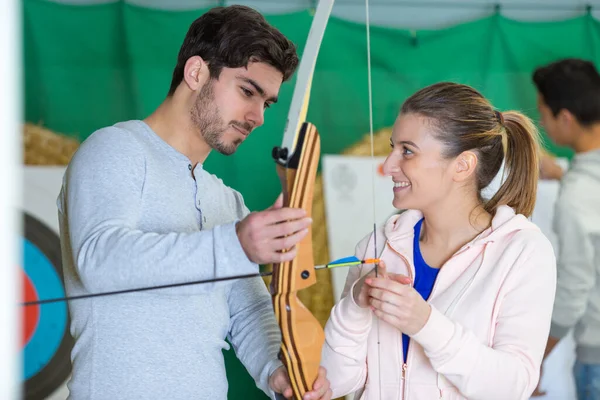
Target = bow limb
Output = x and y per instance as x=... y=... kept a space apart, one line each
x=297 y=159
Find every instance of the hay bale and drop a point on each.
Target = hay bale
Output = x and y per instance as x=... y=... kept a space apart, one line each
x=42 y=146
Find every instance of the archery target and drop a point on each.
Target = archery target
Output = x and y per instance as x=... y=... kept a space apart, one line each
x=45 y=340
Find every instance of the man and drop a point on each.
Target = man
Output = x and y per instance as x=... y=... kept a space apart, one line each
x=137 y=209
x=569 y=104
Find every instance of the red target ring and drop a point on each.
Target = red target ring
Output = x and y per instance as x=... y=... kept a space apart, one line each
x=30 y=314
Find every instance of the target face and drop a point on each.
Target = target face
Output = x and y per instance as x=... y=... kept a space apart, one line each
x=46 y=341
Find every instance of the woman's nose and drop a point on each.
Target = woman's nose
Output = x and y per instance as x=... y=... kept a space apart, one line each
x=390 y=165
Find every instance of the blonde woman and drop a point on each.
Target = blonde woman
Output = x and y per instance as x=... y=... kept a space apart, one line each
x=461 y=303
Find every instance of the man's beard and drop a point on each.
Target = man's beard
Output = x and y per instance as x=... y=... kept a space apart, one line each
x=205 y=115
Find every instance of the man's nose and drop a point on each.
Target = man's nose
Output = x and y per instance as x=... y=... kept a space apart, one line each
x=256 y=116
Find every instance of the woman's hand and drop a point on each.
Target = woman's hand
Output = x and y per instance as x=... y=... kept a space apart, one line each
x=360 y=292
x=395 y=301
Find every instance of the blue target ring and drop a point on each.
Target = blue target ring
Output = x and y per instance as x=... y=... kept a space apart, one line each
x=53 y=316
x=47 y=354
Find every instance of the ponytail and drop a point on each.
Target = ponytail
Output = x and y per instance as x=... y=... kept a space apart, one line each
x=521 y=155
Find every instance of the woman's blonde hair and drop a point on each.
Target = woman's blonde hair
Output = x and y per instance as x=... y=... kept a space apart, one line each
x=466 y=121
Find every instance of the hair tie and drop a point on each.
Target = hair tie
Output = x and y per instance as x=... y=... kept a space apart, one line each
x=499 y=117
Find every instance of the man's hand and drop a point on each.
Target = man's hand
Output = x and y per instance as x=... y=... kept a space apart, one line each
x=550 y=344
x=538 y=390
x=265 y=234
x=549 y=168
x=279 y=382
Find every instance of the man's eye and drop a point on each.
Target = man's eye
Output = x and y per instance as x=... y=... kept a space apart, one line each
x=247 y=92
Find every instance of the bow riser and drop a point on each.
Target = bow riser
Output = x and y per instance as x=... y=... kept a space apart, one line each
x=302 y=334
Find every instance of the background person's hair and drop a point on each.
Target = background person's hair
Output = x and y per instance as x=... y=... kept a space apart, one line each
x=232 y=37
x=571 y=84
x=463 y=120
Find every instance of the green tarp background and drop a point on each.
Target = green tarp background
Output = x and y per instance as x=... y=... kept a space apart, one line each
x=86 y=67
x=91 y=66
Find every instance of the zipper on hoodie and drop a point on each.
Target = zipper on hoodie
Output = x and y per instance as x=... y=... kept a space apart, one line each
x=404 y=364
x=404 y=368
x=404 y=373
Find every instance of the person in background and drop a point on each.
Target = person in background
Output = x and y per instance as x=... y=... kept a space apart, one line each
x=461 y=303
x=550 y=169
x=138 y=209
x=569 y=106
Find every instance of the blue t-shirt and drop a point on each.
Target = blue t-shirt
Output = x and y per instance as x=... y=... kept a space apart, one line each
x=424 y=277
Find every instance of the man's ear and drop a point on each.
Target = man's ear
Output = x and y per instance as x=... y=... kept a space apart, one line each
x=465 y=165
x=195 y=73
x=566 y=119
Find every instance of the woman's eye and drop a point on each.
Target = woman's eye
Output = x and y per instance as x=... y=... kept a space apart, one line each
x=406 y=151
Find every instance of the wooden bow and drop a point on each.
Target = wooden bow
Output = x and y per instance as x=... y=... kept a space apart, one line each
x=297 y=160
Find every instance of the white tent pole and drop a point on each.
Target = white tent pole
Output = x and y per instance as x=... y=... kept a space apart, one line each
x=10 y=187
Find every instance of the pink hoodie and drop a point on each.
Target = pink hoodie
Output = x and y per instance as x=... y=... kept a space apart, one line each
x=491 y=307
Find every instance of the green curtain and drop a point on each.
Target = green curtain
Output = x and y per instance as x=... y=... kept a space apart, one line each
x=86 y=67
x=91 y=66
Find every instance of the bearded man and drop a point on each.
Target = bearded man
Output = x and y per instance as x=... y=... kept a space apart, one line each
x=137 y=209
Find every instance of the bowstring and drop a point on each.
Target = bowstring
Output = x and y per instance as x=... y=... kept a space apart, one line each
x=373 y=172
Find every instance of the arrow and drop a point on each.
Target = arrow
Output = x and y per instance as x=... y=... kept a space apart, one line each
x=342 y=262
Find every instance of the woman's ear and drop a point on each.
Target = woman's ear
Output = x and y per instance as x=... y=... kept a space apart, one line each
x=465 y=166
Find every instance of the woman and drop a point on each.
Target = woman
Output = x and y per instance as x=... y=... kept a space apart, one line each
x=460 y=305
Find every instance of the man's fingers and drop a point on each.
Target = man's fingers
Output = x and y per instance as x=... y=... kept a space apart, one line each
x=320 y=389
x=288 y=392
x=278 y=203
x=266 y=234
x=538 y=393
x=287 y=242
x=289 y=255
x=274 y=216
x=282 y=385
x=267 y=238
x=284 y=229
x=321 y=379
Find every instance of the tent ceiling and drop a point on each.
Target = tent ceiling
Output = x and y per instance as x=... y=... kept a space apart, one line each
x=409 y=14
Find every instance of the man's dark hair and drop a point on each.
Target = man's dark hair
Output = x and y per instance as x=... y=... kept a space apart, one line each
x=232 y=37
x=571 y=84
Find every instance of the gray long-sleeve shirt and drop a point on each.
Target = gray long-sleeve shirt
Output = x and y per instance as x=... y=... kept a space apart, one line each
x=132 y=214
x=577 y=227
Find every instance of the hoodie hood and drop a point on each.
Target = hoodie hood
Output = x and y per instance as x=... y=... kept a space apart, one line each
x=504 y=222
